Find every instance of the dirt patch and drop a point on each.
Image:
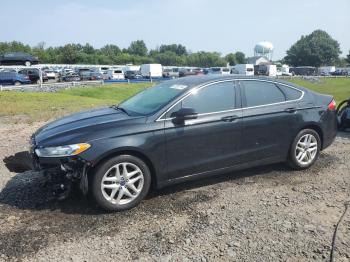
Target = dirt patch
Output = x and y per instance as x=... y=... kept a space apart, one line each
x=260 y=214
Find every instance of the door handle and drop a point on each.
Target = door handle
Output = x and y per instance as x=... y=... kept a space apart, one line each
x=229 y=118
x=290 y=110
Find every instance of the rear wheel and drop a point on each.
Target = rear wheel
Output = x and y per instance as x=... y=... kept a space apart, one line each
x=120 y=183
x=27 y=63
x=17 y=83
x=305 y=149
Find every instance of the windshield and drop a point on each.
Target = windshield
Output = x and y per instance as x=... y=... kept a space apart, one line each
x=152 y=99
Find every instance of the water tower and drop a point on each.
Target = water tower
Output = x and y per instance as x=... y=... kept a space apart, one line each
x=264 y=49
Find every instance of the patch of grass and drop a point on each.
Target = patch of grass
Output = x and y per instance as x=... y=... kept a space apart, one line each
x=44 y=106
x=339 y=88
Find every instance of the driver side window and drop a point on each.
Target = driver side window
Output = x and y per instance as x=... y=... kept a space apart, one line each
x=210 y=99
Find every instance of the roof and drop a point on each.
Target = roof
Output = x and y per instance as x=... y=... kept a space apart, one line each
x=192 y=81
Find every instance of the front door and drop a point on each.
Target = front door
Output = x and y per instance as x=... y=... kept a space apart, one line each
x=212 y=140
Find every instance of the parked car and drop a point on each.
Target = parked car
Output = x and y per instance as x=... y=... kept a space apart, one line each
x=34 y=75
x=51 y=74
x=219 y=71
x=339 y=72
x=69 y=77
x=18 y=58
x=115 y=74
x=171 y=72
x=133 y=75
x=85 y=75
x=185 y=129
x=190 y=72
x=13 y=78
x=96 y=76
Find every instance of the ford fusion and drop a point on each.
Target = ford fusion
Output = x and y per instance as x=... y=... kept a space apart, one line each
x=185 y=129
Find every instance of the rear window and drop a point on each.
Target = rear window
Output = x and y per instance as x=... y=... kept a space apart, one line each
x=250 y=69
x=262 y=93
x=291 y=93
x=117 y=72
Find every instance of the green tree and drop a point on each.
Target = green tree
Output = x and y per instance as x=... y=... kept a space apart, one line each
x=205 y=59
x=177 y=49
x=240 y=58
x=315 y=49
x=110 y=50
x=69 y=53
x=231 y=59
x=348 y=57
x=137 y=47
x=168 y=58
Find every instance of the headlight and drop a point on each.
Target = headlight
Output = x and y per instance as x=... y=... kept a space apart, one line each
x=61 y=151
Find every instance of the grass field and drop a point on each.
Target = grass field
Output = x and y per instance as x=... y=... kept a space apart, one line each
x=45 y=106
x=339 y=88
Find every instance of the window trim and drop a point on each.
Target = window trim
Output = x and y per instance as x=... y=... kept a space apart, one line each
x=277 y=103
x=190 y=92
x=231 y=110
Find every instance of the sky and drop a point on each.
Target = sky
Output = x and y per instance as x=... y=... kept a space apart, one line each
x=224 y=26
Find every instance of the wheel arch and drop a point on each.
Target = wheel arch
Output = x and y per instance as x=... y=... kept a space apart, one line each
x=316 y=128
x=132 y=152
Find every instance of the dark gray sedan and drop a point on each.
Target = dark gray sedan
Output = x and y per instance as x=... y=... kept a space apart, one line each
x=185 y=129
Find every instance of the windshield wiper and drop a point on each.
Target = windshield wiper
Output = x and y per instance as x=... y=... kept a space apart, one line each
x=120 y=108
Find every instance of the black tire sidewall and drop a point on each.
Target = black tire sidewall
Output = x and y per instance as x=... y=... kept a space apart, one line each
x=101 y=169
x=292 y=157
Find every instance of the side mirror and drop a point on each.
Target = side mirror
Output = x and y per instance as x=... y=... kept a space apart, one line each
x=185 y=114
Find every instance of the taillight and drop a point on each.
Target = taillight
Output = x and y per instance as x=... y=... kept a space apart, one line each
x=332 y=105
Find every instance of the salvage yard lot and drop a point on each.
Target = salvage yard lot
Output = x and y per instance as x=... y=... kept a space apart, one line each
x=45 y=106
x=270 y=213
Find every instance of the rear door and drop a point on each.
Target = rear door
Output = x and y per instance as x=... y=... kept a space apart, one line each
x=210 y=142
x=270 y=119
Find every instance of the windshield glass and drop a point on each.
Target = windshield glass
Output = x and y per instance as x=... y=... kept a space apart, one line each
x=152 y=99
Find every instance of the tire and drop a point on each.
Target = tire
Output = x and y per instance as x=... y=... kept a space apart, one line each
x=107 y=187
x=305 y=149
x=27 y=63
x=17 y=83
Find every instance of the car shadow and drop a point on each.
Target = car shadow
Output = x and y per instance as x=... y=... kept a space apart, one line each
x=344 y=134
x=31 y=190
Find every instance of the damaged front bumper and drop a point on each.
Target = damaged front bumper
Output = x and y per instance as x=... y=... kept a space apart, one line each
x=63 y=171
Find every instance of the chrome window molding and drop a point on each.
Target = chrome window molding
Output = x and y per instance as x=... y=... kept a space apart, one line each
x=235 y=109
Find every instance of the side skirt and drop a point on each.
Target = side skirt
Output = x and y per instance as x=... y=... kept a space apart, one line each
x=265 y=161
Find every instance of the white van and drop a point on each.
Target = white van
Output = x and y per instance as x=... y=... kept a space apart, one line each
x=219 y=71
x=115 y=74
x=151 y=70
x=243 y=69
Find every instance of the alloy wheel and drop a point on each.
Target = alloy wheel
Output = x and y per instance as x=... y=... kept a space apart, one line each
x=122 y=183
x=306 y=149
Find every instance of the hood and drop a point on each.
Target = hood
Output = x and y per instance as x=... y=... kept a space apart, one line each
x=80 y=127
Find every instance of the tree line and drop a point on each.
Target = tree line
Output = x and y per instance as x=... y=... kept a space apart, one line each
x=315 y=49
x=136 y=53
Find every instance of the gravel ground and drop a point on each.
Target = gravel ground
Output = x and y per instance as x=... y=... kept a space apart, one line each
x=263 y=214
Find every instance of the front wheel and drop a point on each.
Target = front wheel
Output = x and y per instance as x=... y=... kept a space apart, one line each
x=305 y=149
x=120 y=183
x=27 y=63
